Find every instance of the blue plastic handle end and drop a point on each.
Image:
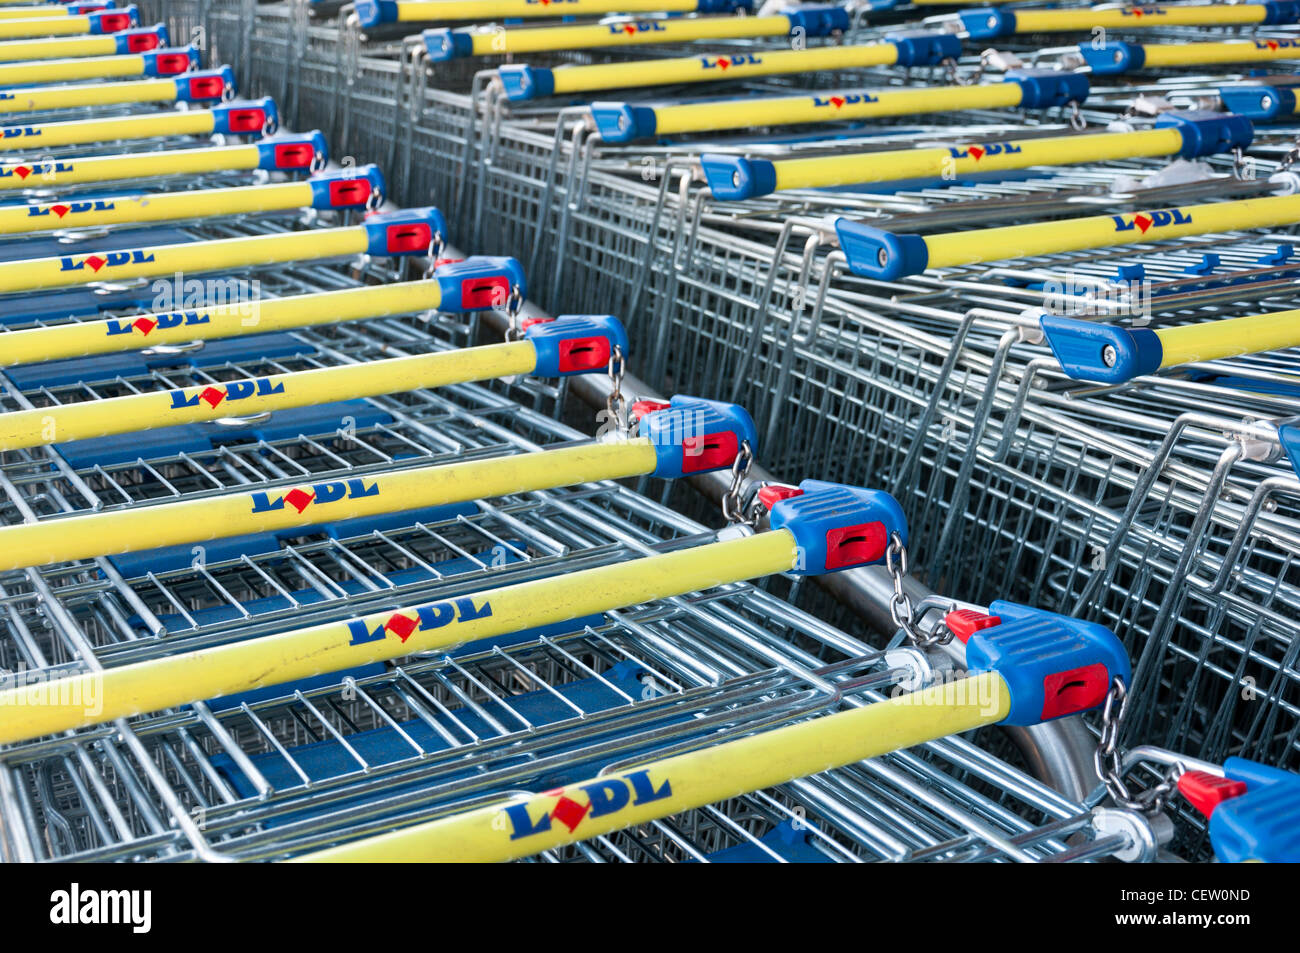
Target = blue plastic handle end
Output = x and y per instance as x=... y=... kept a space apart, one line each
x=623 y=122
x=479 y=282
x=923 y=48
x=1112 y=57
x=441 y=45
x=693 y=435
x=1208 y=133
x=876 y=253
x=1048 y=88
x=818 y=19
x=376 y=12
x=359 y=187
x=408 y=231
x=838 y=527
x=1101 y=352
x=1258 y=101
x=986 y=23
x=522 y=82
x=576 y=343
x=732 y=178
x=250 y=117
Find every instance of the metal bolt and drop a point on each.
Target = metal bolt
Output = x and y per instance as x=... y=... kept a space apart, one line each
x=882 y=257
x=735 y=178
x=1265 y=102
x=1108 y=356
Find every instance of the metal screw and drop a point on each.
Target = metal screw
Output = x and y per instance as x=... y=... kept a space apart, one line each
x=882 y=257
x=1108 y=356
x=735 y=178
x=1265 y=102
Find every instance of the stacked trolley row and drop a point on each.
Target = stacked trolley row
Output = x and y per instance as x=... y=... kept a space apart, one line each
x=288 y=563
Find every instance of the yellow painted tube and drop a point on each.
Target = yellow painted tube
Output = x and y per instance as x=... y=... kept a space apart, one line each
x=830 y=107
x=1204 y=54
x=202 y=402
x=44 y=26
x=966 y=157
x=302 y=653
x=214 y=322
x=711 y=68
x=78 y=132
x=67 y=70
x=52 y=173
x=156 y=207
x=40 y=98
x=33 y=12
x=17 y=50
x=232 y=514
x=1137 y=17
x=529 y=824
x=625 y=33
x=1101 y=231
x=189 y=258
x=428 y=11
x=1229 y=338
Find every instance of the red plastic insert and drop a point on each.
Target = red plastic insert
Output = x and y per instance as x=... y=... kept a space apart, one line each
x=710 y=452
x=855 y=545
x=488 y=292
x=207 y=87
x=964 y=623
x=114 y=22
x=415 y=237
x=142 y=42
x=348 y=192
x=295 y=155
x=1079 y=689
x=1207 y=791
x=769 y=496
x=247 y=120
x=170 y=64
x=583 y=354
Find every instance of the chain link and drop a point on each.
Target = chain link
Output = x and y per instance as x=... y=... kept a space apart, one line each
x=436 y=245
x=616 y=403
x=1106 y=759
x=733 y=504
x=901 y=609
x=1077 y=122
x=1290 y=158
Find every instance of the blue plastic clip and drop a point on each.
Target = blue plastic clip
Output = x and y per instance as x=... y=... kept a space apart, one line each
x=293 y=152
x=408 y=231
x=206 y=85
x=693 y=435
x=171 y=62
x=623 y=122
x=444 y=44
x=576 y=343
x=1112 y=57
x=1279 y=256
x=986 y=23
x=479 y=282
x=359 y=187
x=1204 y=267
x=923 y=48
x=1263 y=824
x=1102 y=352
x=1281 y=11
x=818 y=19
x=1053 y=665
x=113 y=21
x=249 y=117
x=734 y=177
x=376 y=12
x=1208 y=133
x=1045 y=88
x=876 y=253
x=837 y=526
x=1258 y=102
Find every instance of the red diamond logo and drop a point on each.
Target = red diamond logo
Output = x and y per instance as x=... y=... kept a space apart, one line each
x=402 y=625
x=22 y=172
x=837 y=101
x=144 y=325
x=1143 y=222
x=299 y=499
x=1272 y=44
x=60 y=210
x=213 y=396
x=723 y=63
x=977 y=152
x=629 y=29
x=1138 y=13
x=95 y=262
x=569 y=812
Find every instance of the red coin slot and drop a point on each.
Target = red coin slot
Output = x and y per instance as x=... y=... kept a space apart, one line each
x=710 y=452
x=1079 y=689
x=207 y=87
x=409 y=238
x=143 y=42
x=484 y=292
x=855 y=545
x=171 y=63
x=294 y=155
x=114 y=22
x=583 y=354
x=247 y=120
x=349 y=192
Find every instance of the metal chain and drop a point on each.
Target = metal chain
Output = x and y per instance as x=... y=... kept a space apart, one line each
x=1290 y=158
x=901 y=609
x=514 y=305
x=954 y=75
x=436 y=245
x=1077 y=122
x=616 y=403
x=733 y=504
x=1106 y=759
x=1239 y=164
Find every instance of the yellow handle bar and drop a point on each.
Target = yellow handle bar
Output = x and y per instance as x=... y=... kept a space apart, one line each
x=52 y=173
x=427 y=11
x=57 y=48
x=40 y=98
x=530 y=824
x=32 y=139
x=44 y=26
x=1233 y=337
x=68 y=70
x=302 y=653
x=218 y=321
x=201 y=402
x=625 y=33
